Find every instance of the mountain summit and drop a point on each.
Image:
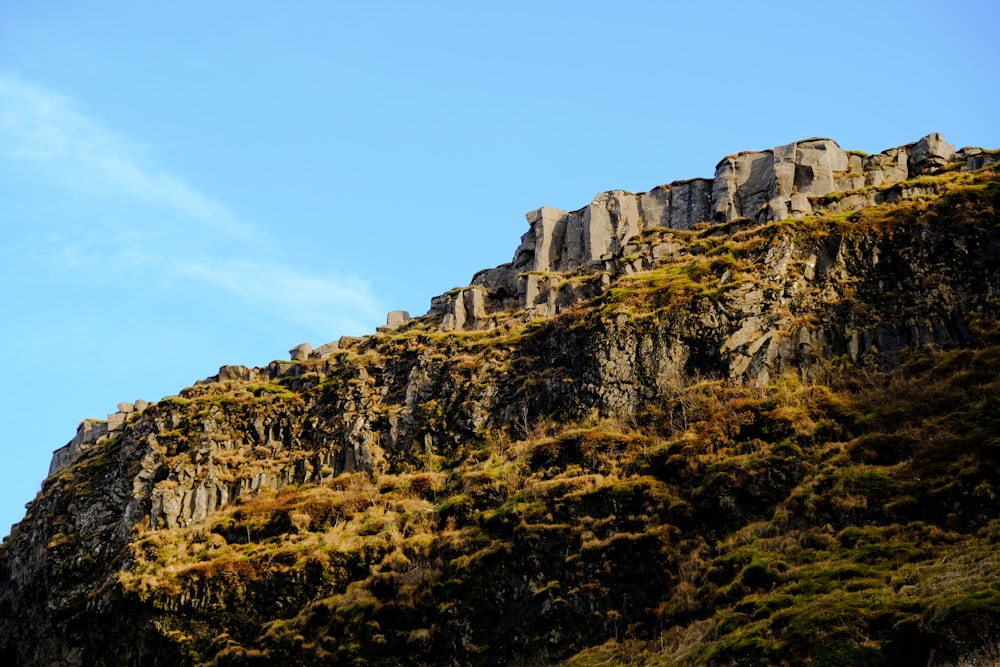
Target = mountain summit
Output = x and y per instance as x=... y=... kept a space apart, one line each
x=752 y=419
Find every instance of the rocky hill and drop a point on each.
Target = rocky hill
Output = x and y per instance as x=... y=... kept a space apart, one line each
x=744 y=420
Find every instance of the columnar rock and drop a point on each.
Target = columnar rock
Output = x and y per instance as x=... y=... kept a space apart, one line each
x=393 y=320
x=792 y=180
x=543 y=244
x=87 y=433
x=610 y=220
x=887 y=167
x=564 y=242
x=396 y=318
x=777 y=183
x=475 y=304
x=930 y=154
x=975 y=157
x=228 y=373
x=690 y=203
x=300 y=352
x=461 y=309
x=116 y=422
x=816 y=165
x=325 y=351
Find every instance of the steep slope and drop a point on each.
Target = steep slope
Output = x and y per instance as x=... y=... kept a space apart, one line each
x=768 y=440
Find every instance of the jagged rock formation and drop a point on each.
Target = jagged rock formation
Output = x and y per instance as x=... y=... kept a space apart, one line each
x=183 y=531
x=568 y=257
x=91 y=431
x=788 y=181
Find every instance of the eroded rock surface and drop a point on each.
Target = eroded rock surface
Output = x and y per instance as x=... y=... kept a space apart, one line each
x=668 y=305
x=787 y=181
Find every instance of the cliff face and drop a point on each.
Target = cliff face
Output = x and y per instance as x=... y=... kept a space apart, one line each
x=484 y=484
x=764 y=186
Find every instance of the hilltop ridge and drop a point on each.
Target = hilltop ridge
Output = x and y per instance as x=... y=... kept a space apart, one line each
x=793 y=180
x=567 y=257
x=768 y=436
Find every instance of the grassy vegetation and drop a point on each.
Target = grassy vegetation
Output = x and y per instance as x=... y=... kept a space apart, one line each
x=840 y=512
x=848 y=522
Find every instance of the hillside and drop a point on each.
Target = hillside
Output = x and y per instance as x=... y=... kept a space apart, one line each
x=747 y=420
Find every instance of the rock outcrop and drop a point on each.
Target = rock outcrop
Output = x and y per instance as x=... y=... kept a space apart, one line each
x=93 y=431
x=670 y=302
x=788 y=181
x=568 y=257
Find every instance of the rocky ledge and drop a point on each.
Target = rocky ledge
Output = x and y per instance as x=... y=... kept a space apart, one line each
x=569 y=256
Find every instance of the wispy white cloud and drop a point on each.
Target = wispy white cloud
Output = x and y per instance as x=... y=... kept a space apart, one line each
x=44 y=128
x=132 y=221
x=318 y=302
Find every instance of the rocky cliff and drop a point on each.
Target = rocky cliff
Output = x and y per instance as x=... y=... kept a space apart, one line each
x=577 y=451
x=793 y=180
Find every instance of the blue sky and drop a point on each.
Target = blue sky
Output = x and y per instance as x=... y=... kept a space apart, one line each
x=185 y=185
